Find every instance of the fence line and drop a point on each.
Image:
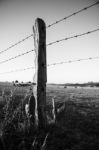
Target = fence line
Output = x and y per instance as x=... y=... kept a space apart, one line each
x=73 y=14
x=71 y=61
x=74 y=36
x=64 y=39
x=50 y=25
x=17 y=70
x=53 y=64
x=27 y=52
x=13 y=45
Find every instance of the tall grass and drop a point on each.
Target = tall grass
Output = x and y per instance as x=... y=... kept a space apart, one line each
x=73 y=129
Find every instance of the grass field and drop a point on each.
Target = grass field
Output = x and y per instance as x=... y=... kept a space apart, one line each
x=90 y=96
x=77 y=126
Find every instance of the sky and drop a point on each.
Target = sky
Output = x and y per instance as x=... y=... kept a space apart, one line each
x=17 y=18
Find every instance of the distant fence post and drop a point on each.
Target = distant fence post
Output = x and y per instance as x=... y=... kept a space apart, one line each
x=40 y=78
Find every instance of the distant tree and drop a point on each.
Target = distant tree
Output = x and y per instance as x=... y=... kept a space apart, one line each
x=29 y=82
x=16 y=81
x=97 y=85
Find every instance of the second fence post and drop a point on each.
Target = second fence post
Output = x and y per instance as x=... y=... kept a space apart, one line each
x=40 y=77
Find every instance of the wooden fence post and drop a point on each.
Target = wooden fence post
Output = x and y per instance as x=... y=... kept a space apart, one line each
x=40 y=78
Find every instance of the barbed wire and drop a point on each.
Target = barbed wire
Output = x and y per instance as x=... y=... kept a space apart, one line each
x=74 y=36
x=13 y=45
x=27 y=52
x=64 y=39
x=71 y=61
x=17 y=70
x=56 y=22
x=53 y=64
x=73 y=14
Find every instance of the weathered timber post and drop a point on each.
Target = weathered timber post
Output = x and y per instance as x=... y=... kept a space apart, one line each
x=40 y=77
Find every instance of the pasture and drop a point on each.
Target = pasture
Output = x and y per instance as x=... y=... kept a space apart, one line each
x=77 y=126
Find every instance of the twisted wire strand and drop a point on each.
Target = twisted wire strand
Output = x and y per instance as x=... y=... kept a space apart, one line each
x=12 y=58
x=73 y=14
x=72 y=37
x=64 y=39
x=71 y=61
x=17 y=43
x=50 y=25
x=17 y=70
x=53 y=64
